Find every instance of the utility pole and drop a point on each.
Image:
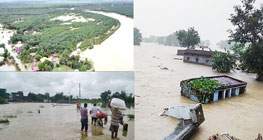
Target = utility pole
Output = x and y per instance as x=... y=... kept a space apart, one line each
x=69 y=97
x=79 y=92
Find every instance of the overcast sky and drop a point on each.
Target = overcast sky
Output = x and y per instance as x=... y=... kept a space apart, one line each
x=209 y=17
x=92 y=83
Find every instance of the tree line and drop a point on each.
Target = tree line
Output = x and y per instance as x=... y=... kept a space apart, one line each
x=107 y=95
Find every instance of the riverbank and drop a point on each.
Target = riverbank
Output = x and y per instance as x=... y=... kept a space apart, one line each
x=158 y=88
x=116 y=52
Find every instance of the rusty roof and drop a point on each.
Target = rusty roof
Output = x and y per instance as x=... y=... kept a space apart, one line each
x=200 y=52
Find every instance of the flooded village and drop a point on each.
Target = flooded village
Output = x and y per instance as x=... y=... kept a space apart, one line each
x=157 y=89
x=198 y=70
x=26 y=115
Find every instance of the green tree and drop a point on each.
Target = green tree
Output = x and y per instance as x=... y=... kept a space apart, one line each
x=2 y=45
x=105 y=96
x=238 y=49
x=137 y=37
x=249 y=29
x=223 y=62
x=188 y=38
x=46 y=66
x=38 y=57
x=33 y=96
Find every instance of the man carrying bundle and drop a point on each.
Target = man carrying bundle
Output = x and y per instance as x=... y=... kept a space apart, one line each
x=116 y=116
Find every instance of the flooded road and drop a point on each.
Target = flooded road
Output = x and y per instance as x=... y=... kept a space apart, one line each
x=157 y=89
x=61 y=122
x=5 y=36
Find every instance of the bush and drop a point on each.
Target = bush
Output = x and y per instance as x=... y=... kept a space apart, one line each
x=223 y=62
x=46 y=66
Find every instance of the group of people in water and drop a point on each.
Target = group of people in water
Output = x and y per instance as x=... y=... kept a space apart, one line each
x=96 y=118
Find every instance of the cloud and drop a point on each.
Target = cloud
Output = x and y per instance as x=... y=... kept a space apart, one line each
x=91 y=83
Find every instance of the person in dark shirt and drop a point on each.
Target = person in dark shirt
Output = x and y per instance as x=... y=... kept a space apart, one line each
x=84 y=118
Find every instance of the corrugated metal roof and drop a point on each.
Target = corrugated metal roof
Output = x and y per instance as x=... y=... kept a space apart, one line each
x=200 y=52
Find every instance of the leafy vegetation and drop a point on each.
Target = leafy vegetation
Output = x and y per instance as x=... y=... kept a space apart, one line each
x=3 y=96
x=74 y=62
x=188 y=38
x=131 y=117
x=137 y=37
x=249 y=29
x=4 y=121
x=206 y=87
x=107 y=95
x=223 y=62
x=46 y=66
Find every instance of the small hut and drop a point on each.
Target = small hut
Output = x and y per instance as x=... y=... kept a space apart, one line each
x=227 y=87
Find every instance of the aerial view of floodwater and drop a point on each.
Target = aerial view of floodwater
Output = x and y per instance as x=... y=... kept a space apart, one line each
x=55 y=121
x=157 y=88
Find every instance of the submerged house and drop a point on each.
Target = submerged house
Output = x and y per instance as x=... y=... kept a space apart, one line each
x=19 y=97
x=19 y=47
x=230 y=87
x=35 y=68
x=198 y=56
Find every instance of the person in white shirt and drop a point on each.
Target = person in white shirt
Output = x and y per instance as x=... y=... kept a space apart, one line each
x=94 y=112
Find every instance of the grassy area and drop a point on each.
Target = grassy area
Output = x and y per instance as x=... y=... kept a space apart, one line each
x=62 y=68
x=87 y=101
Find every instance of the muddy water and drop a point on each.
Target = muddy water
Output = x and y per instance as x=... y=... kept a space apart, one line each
x=157 y=89
x=58 y=122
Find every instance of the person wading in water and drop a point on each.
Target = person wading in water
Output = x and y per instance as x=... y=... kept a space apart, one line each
x=116 y=118
x=94 y=111
x=84 y=118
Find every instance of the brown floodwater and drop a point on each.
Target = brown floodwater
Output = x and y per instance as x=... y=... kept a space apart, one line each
x=156 y=89
x=61 y=122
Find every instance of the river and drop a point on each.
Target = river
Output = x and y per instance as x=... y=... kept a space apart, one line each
x=157 y=89
x=116 y=52
x=61 y=122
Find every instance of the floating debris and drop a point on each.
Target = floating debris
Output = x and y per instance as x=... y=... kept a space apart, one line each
x=228 y=137
x=191 y=117
x=4 y=121
x=156 y=57
x=178 y=58
x=9 y=116
x=163 y=67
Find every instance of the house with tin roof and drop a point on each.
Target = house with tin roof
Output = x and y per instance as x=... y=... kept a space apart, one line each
x=199 y=56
